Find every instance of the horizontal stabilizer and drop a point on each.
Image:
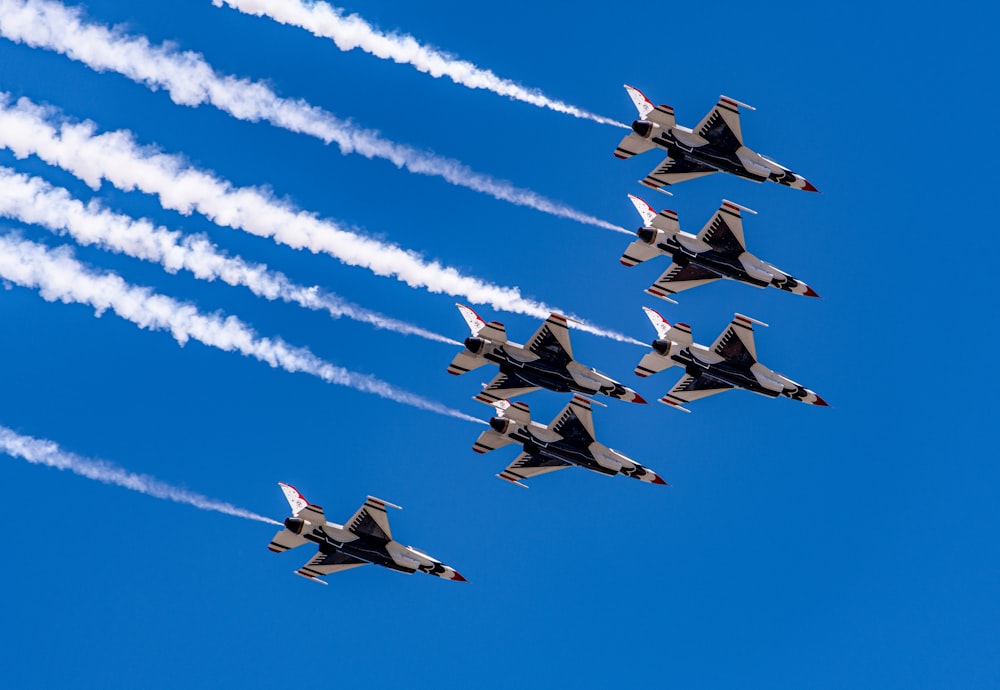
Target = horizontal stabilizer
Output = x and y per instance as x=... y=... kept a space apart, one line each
x=633 y=145
x=653 y=363
x=465 y=362
x=490 y=440
x=637 y=252
x=285 y=540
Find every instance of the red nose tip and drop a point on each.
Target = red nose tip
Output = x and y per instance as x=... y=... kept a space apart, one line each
x=821 y=402
x=659 y=480
x=809 y=187
x=458 y=577
x=810 y=292
x=639 y=399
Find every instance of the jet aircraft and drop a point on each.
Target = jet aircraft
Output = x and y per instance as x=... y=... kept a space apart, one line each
x=714 y=145
x=545 y=362
x=731 y=362
x=718 y=251
x=569 y=440
x=366 y=538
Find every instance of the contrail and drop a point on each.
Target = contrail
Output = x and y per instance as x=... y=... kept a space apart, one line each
x=59 y=276
x=191 y=81
x=41 y=452
x=33 y=200
x=350 y=32
x=27 y=129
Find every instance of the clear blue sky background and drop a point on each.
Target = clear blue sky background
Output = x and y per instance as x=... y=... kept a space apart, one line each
x=798 y=547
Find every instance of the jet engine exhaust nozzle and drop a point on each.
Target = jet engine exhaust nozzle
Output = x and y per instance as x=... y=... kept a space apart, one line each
x=294 y=524
x=499 y=425
x=647 y=235
x=661 y=346
x=643 y=128
x=474 y=345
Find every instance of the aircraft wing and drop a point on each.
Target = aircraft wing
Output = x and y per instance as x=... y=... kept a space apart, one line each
x=736 y=343
x=371 y=520
x=502 y=387
x=674 y=170
x=551 y=341
x=576 y=422
x=693 y=388
x=722 y=125
x=678 y=278
x=327 y=564
x=528 y=465
x=724 y=233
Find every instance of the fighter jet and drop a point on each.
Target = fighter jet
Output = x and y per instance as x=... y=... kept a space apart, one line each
x=731 y=362
x=569 y=440
x=545 y=362
x=715 y=145
x=365 y=539
x=718 y=251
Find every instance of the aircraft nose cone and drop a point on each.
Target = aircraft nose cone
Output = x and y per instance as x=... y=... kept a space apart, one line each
x=821 y=402
x=810 y=292
x=808 y=186
x=458 y=577
x=657 y=479
x=639 y=399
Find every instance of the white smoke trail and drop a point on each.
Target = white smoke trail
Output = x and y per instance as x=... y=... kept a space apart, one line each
x=27 y=129
x=59 y=276
x=41 y=452
x=33 y=200
x=350 y=32
x=191 y=81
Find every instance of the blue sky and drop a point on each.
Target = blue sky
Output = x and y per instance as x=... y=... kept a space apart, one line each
x=798 y=547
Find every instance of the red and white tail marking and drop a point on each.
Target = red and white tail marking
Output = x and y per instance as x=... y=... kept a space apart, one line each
x=296 y=500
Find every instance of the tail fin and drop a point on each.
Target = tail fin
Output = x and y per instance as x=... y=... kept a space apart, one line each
x=663 y=115
x=494 y=330
x=296 y=501
x=286 y=538
x=679 y=333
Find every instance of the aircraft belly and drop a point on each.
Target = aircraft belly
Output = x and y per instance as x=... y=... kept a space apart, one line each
x=372 y=554
x=535 y=375
x=739 y=378
x=568 y=453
